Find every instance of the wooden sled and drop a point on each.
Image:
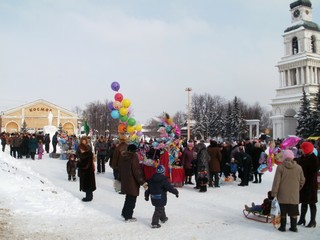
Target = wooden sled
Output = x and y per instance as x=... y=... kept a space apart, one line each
x=257 y=216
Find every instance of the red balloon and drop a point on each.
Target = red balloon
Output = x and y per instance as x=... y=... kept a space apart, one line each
x=118 y=97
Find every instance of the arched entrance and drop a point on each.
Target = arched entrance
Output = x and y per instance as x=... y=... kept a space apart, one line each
x=12 y=127
x=68 y=127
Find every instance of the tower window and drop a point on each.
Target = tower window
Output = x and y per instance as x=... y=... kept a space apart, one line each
x=313 y=44
x=295 y=48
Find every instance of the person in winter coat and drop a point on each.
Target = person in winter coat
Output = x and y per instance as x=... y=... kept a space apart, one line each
x=287 y=182
x=186 y=159
x=32 y=146
x=101 y=148
x=55 y=142
x=158 y=187
x=131 y=178
x=115 y=143
x=309 y=193
x=256 y=152
x=244 y=162
x=116 y=161
x=225 y=159
x=86 y=171
x=263 y=208
x=40 y=149
x=3 y=141
x=214 y=152
x=72 y=167
x=202 y=162
x=47 y=142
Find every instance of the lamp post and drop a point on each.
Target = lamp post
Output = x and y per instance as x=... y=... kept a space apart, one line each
x=188 y=90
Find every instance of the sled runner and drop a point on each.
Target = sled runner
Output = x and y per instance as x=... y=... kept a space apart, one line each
x=257 y=216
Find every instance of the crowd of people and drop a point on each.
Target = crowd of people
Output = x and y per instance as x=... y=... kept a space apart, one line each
x=205 y=165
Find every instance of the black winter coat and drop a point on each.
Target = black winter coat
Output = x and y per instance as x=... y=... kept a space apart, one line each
x=159 y=185
x=86 y=171
x=310 y=167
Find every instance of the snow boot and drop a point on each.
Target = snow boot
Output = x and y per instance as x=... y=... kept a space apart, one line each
x=293 y=224
x=283 y=224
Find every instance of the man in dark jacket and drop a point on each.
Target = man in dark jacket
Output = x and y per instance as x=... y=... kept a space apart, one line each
x=244 y=164
x=101 y=148
x=55 y=142
x=158 y=188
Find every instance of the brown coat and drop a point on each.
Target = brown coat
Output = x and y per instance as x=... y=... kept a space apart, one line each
x=287 y=182
x=86 y=171
x=130 y=174
x=215 y=159
x=117 y=153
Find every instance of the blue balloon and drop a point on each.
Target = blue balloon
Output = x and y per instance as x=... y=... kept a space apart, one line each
x=315 y=151
x=115 y=114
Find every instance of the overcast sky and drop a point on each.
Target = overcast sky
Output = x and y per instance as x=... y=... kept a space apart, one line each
x=68 y=52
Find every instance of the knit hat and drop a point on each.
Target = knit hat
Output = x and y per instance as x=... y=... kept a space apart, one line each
x=288 y=154
x=307 y=147
x=161 y=169
x=190 y=144
x=132 y=148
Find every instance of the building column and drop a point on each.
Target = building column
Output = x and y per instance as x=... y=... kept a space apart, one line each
x=58 y=118
x=317 y=76
x=315 y=81
x=257 y=130
x=289 y=78
x=307 y=75
x=280 y=79
x=302 y=76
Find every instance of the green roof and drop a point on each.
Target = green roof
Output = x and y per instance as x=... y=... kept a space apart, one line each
x=306 y=3
x=306 y=24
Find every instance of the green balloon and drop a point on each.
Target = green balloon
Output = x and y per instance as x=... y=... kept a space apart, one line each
x=124 y=118
x=131 y=122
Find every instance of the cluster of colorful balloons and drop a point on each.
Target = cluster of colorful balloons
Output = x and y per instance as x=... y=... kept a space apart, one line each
x=169 y=131
x=274 y=155
x=120 y=109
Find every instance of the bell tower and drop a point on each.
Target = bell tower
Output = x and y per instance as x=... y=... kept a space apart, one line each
x=299 y=68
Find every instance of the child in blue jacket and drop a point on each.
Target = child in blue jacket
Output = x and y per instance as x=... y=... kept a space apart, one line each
x=158 y=187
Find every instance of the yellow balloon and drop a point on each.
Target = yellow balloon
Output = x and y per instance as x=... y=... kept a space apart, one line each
x=123 y=111
x=139 y=127
x=126 y=103
x=130 y=129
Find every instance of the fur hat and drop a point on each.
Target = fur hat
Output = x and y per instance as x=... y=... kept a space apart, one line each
x=161 y=169
x=288 y=154
x=83 y=147
x=307 y=147
x=132 y=148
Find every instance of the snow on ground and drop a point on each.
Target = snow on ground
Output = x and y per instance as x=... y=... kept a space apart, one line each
x=38 y=202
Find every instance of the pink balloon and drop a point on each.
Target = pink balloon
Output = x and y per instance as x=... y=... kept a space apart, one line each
x=290 y=142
